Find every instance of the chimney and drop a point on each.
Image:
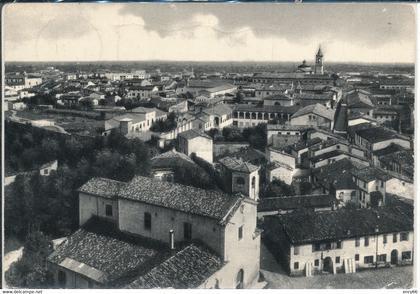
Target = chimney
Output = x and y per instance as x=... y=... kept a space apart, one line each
x=171 y=239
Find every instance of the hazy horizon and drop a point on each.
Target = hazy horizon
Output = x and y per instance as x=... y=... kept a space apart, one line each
x=212 y=61
x=209 y=32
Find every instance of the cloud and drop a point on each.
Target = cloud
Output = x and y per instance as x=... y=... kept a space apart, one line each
x=367 y=24
x=221 y=32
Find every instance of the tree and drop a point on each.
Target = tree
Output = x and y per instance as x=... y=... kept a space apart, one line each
x=213 y=132
x=31 y=270
x=166 y=125
x=232 y=134
x=305 y=188
x=86 y=104
x=278 y=188
x=239 y=97
x=256 y=136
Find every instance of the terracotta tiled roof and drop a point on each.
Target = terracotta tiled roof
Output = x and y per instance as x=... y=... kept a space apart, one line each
x=358 y=98
x=105 y=254
x=369 y=174
x=188 y=199
x=189 y=268
x=378 y=134
x=304 y=227
x=238 y=164
x=295 y=202
x=171 y=158
x=317 y=109
x=191 y=134
x=106 y=188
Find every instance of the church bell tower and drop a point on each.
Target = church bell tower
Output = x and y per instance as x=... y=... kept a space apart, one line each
x=319 y=62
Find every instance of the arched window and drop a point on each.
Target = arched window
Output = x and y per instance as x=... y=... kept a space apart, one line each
x=240 y=279
x=240 y=181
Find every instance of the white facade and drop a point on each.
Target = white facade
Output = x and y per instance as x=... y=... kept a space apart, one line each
x=364 y=255
x=200 y=145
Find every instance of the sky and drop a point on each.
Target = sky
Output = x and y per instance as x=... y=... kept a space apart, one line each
x=381 y=32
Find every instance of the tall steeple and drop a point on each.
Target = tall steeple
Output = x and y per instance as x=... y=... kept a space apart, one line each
x=319 y=62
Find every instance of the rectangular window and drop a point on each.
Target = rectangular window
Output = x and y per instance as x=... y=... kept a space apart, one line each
x=339 y=244
x=357 y=242
x=240 y=232
x=296 y=250
x=394 y=238
x=385 y=238
x=404 y=236
x=296 y=265
x=368 y=259
x=356 y=257
x=382 y=258
x=62 y=279
x=337 y=259
x=406 y=255
x=147 y=221
x=316 y=262
x=187 y=231
x=366 y=241
x=108 y=210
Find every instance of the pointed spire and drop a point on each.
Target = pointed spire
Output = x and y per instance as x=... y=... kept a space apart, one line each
x=320 y=52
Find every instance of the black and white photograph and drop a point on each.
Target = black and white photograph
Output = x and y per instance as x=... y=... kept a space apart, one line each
x=208 y=146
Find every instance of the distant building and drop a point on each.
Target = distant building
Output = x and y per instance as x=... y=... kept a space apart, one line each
x=44 y=170
x=22 y=81
x=383 y=115
x=397 y=84
x=376 y=138
x=337 y=180
x=193 y=141
x=358 y=100
x=165 y=165
x=137 y=120
x=141 y=92
x=281 y=135
x=372 y=185
x=313 y=115
x=250 y=115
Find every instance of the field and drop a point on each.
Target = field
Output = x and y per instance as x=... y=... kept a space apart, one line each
x=70 y=123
